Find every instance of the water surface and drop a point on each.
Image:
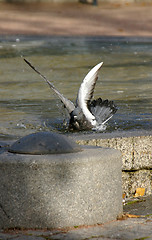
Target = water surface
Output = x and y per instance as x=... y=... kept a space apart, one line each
x=27 y=103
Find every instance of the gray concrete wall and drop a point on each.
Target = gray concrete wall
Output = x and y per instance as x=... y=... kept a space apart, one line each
x=136 y=149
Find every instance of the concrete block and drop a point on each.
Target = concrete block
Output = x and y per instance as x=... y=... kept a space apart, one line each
x=136 y=147
x=143 y=152
x=124 y=144
x=60 y=190
x=138 y=179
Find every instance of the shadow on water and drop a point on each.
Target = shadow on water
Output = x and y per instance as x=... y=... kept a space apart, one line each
x=27 y=103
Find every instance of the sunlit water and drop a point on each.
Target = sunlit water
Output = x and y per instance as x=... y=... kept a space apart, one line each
x=28 y=104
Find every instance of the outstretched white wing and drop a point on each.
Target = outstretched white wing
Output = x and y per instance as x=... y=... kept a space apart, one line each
x=86 y=90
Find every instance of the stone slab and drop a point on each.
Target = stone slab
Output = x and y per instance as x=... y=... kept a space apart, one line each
x=128 y=229
x=60 y=190
x=136 y=149
x=135 y=146
x=137 y=179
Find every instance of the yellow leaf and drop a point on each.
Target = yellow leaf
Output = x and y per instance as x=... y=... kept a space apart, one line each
x=132 y=215
x=139 y=192
x=123 y=195
x=124 y=216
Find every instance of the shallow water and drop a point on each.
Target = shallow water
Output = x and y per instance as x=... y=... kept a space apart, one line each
x=28 y=104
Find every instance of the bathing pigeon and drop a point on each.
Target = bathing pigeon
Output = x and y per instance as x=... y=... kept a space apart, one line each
x=86 y=113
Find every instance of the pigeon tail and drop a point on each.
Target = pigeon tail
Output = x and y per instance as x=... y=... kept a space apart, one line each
x=103 y=110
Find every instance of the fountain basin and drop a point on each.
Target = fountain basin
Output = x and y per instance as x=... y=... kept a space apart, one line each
x=60 y=190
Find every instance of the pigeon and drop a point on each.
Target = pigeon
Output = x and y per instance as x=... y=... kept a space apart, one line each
x=86 y=114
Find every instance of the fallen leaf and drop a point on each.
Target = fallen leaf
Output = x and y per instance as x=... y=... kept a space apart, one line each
x=139 y=192
x=132 y=215
x=123 y=195
x=124 y=216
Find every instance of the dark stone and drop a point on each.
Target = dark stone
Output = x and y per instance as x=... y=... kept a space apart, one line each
x=44 y=143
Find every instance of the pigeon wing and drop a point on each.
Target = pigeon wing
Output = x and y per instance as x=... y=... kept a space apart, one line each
x=86 y=90
x=68 y=104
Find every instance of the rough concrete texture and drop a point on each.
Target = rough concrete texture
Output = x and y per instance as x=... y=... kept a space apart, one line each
x=138 y=179
x=136 y=149
x=60 y=190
